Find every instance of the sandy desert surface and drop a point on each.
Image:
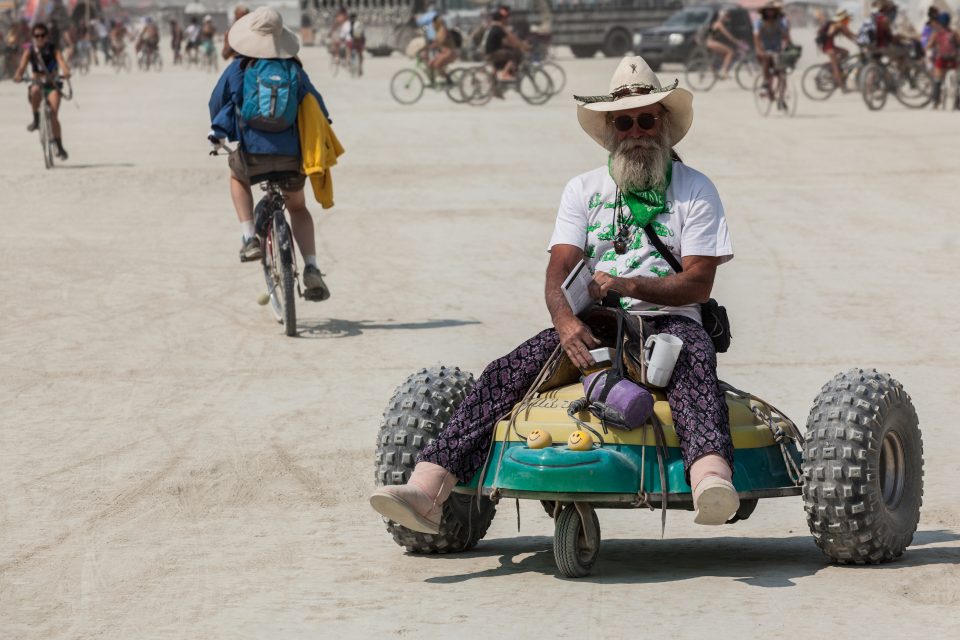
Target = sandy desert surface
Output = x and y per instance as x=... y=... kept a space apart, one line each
x=172 y=466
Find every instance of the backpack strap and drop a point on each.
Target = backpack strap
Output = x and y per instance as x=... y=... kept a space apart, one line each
x=662 y=248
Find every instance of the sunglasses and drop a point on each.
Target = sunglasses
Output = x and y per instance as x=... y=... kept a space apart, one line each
x=40 y=36
x=645 y=121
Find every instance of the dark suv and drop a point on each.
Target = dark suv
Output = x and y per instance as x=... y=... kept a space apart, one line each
x=677 y=37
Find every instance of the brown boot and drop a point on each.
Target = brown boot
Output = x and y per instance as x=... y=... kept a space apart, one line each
x=417 y=505
x=714 y=496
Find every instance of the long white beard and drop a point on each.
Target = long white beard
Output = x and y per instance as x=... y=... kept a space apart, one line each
x=638 y=164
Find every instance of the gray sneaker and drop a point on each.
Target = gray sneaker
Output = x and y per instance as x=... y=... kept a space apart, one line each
x=313 y=282
x=250 y=250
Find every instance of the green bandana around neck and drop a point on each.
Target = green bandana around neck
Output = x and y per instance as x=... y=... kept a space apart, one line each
x=647 y=204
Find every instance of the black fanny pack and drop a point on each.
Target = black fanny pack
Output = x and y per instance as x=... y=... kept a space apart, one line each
x=713 y=315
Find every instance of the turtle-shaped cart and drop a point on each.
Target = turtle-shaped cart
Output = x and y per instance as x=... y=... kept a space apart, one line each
x=858 y=466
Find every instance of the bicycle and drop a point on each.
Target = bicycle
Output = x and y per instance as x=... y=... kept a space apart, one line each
x=208 y=61
x=407 y=86
x=482 y=83
x=818 y=82
x=907 y=79
x=46 y=118
x=764 y=96
x=277 y=256
x=949 y=91
x=703 y=68
x=80 y=60
x=148 y=57
x=121 y=61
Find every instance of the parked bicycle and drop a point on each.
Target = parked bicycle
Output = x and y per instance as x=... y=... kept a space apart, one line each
x=482 y=83
x=703 y=68
x=905 y=78
x=819 y=84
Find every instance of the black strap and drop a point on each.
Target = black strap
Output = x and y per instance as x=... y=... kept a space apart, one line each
x=662 y=248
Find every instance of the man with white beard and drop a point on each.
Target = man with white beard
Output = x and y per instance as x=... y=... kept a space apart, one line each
x=604 y=218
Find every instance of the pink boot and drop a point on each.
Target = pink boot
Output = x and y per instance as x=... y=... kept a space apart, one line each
x=417 y=505
x=714 y=496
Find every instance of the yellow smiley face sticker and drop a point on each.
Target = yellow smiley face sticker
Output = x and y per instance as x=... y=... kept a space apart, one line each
x=579 y=441
x=539 y=439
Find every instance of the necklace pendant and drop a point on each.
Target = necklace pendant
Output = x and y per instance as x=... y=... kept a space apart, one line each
x=620 y=246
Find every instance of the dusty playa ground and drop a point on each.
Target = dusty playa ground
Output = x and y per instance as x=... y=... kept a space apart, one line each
x=173 y=467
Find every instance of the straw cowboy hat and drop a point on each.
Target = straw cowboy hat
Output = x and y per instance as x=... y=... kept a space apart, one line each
x=635 y=85
x=261 y=34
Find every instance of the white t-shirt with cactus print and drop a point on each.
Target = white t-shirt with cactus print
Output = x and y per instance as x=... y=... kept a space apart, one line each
x=693 y=224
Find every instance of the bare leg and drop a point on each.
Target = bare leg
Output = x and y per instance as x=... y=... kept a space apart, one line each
x=35 y=96
x=302 y=223
x=54 y=99
x=242 y=199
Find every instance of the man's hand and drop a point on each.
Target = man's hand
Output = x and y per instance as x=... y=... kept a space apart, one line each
x=215 y=143
x=18 y=77
x=577 y=340
x=602 y=283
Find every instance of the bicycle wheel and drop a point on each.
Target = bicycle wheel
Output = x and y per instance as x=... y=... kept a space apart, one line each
x=557 y=75
x=478 y=86
x=745 y=71
x=454 y=90
x=818 y=83
x=914 y=86
x=700 y=74
x=873 y=86
x=761 y=97
x=534 y=86
x=284 y=268
x=791 y=97
x=157 y=62
x=46 y=135
x=407 y=86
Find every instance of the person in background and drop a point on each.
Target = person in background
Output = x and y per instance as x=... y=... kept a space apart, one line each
x=444 y=45
x=228 y=52
x=721 y=41
x=47 y=64
x=176 y=41
x=944 y=48
x=838 y=26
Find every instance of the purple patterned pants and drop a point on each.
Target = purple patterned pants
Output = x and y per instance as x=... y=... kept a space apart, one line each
x=699 y=409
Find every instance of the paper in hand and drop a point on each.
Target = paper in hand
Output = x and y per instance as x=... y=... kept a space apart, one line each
x=576 y=288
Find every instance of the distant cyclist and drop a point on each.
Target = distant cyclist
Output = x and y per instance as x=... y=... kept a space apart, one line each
x=944 y=47
x=263 y=44
x=445 y=45
x=148 y=41
x=192 y=36
x=502 y=47
x=721 y=41
x=771 y=36
x=176 y=41
x=839 y=25
x=47 y=63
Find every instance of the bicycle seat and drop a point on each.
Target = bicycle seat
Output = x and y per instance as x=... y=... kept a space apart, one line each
x=274 y=176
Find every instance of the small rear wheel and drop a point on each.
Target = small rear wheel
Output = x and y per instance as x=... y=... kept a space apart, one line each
x=407 y=86
x=576 y=540
x=454 y=91
x=863 y=468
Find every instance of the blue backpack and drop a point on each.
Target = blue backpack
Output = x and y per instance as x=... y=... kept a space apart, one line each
x=270 y=91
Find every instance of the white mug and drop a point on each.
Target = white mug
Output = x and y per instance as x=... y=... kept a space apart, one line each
x=660 y=353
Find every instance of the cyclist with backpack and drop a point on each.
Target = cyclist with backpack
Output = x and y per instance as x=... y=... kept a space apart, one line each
x=943 y=45
x=839 y=25
x=255 y=103
x=446 y=44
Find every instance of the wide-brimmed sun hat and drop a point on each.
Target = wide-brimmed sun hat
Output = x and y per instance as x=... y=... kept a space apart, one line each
x=842 y=15
x=635 y=85
x=261 y=34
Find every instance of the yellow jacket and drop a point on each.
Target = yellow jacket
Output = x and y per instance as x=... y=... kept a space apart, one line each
x=319 y=149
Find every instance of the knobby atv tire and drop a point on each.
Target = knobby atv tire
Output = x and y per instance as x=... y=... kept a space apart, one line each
x=415 y=415
x=863 y=468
